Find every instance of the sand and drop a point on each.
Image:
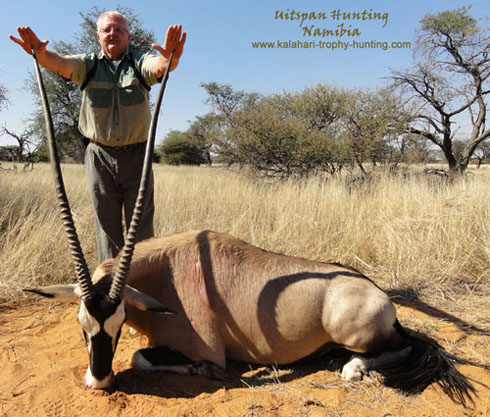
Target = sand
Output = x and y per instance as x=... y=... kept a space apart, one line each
x=44 y=361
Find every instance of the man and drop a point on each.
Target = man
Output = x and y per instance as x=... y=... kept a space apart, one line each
x=114 y=117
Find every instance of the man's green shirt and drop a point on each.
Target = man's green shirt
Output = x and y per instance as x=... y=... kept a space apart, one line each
x=115 y=108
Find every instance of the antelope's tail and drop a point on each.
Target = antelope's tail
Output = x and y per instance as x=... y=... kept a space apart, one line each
x=427 y=363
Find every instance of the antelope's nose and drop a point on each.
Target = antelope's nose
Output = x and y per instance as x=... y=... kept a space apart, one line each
x=93 y=383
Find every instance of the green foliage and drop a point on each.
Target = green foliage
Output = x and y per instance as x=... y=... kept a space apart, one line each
x=319 y=107
x=373 y=121
x=322 y=128
x=225 y=100
x=178 y=148
x=455 y=23
x=271 y=137
x=204 y=132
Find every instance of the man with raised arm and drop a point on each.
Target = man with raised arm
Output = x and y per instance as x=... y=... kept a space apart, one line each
x=114 y=118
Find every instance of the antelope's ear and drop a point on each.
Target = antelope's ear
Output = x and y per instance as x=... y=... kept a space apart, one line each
x=143 y=301
x=68 y=291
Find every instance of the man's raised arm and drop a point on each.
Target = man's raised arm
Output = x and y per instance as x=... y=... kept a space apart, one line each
x=48 y=59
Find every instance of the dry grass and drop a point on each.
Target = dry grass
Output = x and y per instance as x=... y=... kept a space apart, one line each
x=404 y=233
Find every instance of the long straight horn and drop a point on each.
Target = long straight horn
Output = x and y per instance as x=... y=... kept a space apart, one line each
x=81 y=268
x=127 y=252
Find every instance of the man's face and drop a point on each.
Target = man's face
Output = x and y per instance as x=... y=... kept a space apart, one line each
x=113 y=36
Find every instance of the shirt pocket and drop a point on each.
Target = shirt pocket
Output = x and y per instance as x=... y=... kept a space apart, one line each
x=99 y=97
x=131 y=93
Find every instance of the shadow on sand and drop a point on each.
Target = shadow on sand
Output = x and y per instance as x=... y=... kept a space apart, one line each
x=408 y=297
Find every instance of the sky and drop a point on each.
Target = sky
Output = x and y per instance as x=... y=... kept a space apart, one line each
x=221 y=35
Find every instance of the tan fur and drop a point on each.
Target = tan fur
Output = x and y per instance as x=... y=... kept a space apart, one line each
x=238 y=301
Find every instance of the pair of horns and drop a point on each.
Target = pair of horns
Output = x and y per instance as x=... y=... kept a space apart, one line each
x=81 y=268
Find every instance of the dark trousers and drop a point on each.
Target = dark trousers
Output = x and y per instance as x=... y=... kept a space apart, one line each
x=113 y=176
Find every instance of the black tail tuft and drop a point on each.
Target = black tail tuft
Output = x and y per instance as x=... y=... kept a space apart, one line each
x=427 y=363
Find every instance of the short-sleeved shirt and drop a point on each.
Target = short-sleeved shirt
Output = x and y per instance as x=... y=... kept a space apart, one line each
x=115 y=108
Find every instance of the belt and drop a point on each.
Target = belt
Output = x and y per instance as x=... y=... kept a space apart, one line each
x=115 y=148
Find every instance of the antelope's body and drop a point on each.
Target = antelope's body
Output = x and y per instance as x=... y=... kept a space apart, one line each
x=234 y=300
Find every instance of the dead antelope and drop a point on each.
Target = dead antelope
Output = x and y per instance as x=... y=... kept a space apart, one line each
x=232 y=300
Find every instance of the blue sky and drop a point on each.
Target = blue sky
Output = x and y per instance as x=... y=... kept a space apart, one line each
x=219 y=46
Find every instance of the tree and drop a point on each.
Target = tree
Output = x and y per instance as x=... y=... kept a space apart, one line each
x=373 y=122
x=321 y=128
x=204 y=133
x=450 y=81
x=226 y=101
x=414 y=149
x=179 y=148
x=3 y=97
x=65 y=97
x=280 y=135
x=25 y=151
x=482 y=153
x=8 y=153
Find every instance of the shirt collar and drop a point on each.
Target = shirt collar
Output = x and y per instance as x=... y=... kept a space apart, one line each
x=102 y=55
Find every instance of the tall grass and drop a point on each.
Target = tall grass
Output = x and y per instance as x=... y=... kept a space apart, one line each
x=401 y=232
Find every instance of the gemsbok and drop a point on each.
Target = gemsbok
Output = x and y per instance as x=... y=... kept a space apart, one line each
x=207 y=296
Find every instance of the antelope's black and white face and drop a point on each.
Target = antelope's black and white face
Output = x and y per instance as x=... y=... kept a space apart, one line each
x=101 y=320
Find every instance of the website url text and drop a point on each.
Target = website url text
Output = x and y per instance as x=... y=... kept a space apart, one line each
x=332 y=45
